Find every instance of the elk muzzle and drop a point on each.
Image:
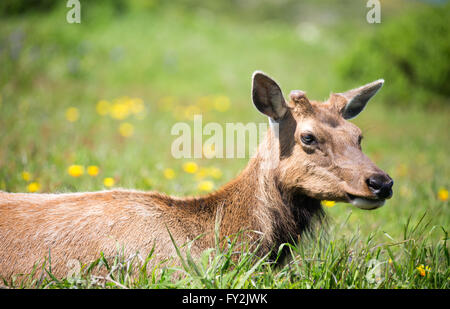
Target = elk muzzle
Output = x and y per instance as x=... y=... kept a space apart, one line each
x=380 y=185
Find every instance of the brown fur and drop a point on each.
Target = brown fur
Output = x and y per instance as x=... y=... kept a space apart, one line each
x=280 y=202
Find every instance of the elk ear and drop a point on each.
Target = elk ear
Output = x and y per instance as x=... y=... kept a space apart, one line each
x=355 y=100
x=267 y=96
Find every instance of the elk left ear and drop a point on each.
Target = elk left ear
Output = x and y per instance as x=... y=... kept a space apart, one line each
x=267 y=96
x=355 y=100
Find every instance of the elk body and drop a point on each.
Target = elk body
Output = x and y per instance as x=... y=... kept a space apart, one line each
x=311 y=153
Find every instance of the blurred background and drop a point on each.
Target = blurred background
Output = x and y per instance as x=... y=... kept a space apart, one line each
x=90 y=106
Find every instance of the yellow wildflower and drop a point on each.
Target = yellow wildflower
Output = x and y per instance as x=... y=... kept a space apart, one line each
x=169 y=173
x=423 y=269
x=33 y=187
x=26 y=176
x=215 y=172
x=75 y=170
x=202 y=173
x=205 y=103
x=136 y=105
x=222 y=103
x=328 y=203
x=126 y=129
x=108 y=182
x=93 y=170
x=190 y=167
x=119 y=110
x=443 y=194
x=205 y=186
x=72 y=114
x=103 y=107
x=190 y=111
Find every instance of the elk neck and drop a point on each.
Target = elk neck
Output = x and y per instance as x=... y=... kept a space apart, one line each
x=256 y=201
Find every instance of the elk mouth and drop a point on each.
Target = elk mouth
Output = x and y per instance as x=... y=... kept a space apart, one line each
x=364 y=202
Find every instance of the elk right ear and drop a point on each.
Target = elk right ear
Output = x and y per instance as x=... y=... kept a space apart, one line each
x=356 y=99
x=267 y=96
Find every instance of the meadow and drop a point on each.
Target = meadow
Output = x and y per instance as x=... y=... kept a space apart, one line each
x=90 y=106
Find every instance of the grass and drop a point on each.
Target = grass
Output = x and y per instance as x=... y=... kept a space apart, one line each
x=174 y=60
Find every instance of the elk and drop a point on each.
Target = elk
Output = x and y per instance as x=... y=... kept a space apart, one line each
x=311 y=153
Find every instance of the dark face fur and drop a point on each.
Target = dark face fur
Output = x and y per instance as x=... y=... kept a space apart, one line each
x=320 y=150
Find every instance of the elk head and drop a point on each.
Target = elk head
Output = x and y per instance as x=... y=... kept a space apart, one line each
x=320 y=151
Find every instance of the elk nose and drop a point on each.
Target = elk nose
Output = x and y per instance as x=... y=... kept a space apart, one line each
x=380 y=185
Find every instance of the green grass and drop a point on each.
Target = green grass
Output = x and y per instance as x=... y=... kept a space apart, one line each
x=47 y=66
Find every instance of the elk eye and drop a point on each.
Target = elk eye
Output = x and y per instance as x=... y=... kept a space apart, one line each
x=307 y=139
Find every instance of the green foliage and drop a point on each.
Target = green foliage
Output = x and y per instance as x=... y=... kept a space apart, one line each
x=411 y=53
x=17 y=7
